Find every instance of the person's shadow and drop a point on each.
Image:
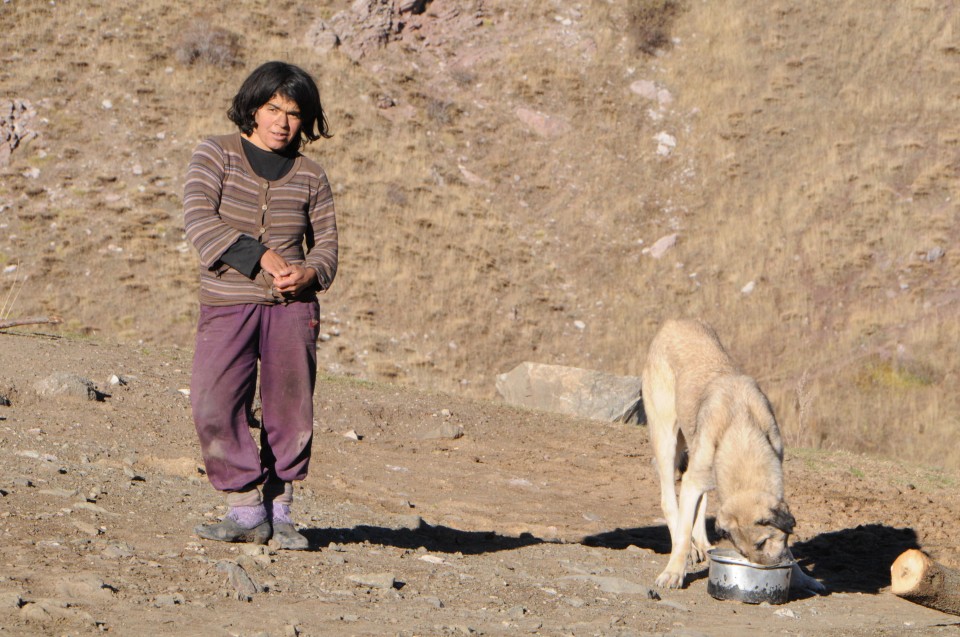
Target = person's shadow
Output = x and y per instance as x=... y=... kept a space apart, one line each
x=853 y=560
x=436 y=539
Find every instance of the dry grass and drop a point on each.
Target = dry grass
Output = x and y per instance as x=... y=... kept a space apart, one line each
x=813 y=159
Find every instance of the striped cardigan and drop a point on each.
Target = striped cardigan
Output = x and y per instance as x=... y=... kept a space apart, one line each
x=224 y=198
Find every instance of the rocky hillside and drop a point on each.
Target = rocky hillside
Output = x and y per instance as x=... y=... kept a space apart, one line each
x=529 y=180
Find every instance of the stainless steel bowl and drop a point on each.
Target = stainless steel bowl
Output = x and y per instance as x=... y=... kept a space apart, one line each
x=733 y=577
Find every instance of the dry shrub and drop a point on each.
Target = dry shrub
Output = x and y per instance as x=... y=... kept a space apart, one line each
x=650 y=22
x=203 y=43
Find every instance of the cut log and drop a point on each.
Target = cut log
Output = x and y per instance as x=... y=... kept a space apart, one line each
x=39 y=320
x=917 y=578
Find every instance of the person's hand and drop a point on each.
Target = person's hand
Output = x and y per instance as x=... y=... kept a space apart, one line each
x=272 y=263
x=294 y=279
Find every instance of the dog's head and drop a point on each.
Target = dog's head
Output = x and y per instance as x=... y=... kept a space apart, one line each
x=758 y=524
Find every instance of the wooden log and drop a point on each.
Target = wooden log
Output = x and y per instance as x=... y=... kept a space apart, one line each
x=917 y=578
x=51 y=320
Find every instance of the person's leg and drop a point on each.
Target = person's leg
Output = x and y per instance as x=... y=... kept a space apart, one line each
x=288 y=369
x=278 y=497
x=221 y=392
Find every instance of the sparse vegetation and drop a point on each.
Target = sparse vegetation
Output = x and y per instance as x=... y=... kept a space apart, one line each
x=808 y=161
x=650 y=22
x=203 y=43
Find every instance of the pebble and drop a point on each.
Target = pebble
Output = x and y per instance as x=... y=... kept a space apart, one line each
x=84 y=527
x=244 y=586
x=10 y=599
x=374 y=580
x=446 y=431
x=616 y=585
x=169 y=599
x=118 y=550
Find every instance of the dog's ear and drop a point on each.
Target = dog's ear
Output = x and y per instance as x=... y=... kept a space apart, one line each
x=725 y=523
x=781 y=518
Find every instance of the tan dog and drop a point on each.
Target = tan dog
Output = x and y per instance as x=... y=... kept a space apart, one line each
x=699 y=405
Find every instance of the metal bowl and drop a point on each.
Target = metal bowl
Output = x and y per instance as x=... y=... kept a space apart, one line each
x=734 y=577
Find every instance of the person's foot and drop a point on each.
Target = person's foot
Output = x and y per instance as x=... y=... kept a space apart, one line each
x=241 y=524
x=285 y=533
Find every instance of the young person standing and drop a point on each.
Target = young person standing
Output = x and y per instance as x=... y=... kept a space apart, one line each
x=260 y=214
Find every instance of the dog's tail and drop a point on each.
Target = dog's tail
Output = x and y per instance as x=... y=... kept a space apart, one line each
x=634 y=413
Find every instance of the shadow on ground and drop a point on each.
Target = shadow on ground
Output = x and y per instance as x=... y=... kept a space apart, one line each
x=853 y=560
x=438 y=539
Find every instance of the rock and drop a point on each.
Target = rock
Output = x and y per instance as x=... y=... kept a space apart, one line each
x=660 y=247
x=243 y=585
x=84 y=586
x=374 y=580
x=616 y=585
x=10 y=599
x=648 y=89
x=542 y=124
x=365 y=27
x=16 y=126
x=665 y=143
x=321 y=38
x=169 y=599
x=66 y=384
x=934 y=254
x=408 y=523
x=85 y=527
x=117 y=550
x=569 y=390
x=446 y=431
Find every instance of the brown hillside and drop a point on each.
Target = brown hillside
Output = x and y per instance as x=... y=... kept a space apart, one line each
x=501 y=174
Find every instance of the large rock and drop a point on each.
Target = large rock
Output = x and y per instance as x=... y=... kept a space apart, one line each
x=572 y=391
x=16 y=126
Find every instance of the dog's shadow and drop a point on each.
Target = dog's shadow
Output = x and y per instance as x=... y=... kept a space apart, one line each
x=853 y=560
x=436 y=539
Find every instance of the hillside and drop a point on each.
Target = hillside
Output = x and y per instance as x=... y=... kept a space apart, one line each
x=502 y=171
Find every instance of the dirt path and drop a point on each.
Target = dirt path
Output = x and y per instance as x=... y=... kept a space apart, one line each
x=528 y=524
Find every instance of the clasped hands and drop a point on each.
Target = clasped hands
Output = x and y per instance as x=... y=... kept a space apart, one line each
x=289 y=280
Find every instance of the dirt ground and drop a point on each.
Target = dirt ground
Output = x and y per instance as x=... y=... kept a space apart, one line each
x=527 y=524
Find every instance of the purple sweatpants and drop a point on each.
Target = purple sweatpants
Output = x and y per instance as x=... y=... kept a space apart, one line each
x=230 y=341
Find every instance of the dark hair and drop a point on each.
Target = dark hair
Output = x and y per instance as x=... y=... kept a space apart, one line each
x=289 y=81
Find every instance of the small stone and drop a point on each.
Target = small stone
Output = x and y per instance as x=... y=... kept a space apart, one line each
x=660 y=247
x=169 y=599
x=446 y=431
x=117 y=550
x=517 y=612
x=10 y=599
x=352 y=435
x=374 y=580
x=86 y=528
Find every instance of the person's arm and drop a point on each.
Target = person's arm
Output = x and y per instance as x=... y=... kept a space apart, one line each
x=244 y=256
x=322 y=238
x=201 y=205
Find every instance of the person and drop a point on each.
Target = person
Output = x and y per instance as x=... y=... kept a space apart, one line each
x=261 y=216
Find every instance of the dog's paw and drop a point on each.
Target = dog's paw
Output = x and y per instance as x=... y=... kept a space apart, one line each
x=698 y=551
x=670 y=579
